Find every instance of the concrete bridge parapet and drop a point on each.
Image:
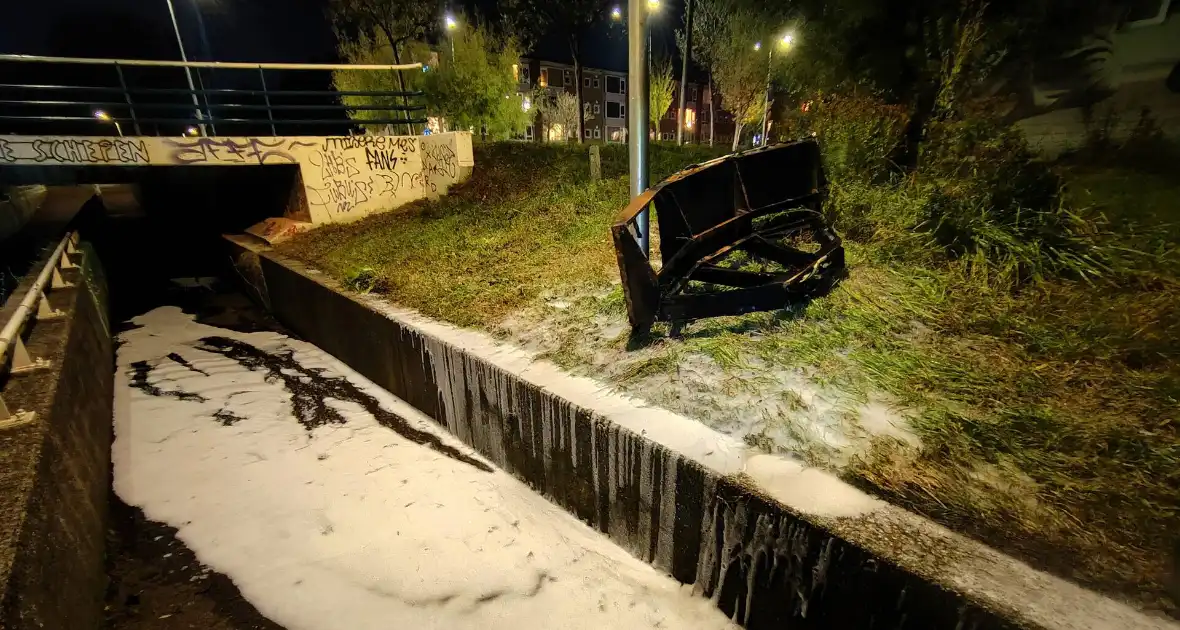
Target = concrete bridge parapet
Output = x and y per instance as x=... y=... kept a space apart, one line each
x=343 y=178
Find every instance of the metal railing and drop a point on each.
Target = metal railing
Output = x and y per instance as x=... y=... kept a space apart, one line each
x=34 y=306
x=140 y=92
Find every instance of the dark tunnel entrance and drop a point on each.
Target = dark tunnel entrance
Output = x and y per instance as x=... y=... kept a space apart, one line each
x=155 y=228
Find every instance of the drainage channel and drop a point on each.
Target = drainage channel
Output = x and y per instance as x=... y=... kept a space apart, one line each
x=261 y=483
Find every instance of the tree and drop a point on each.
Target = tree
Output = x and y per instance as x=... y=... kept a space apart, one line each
x=723 y=36
x=377 y=50
x=739 y=69
x=934 y=56
x=559 y=113
x=685 y=60
x=707 y=25
x=476 y=89
x=663 y=88
x=397 y=22
x=572 y=19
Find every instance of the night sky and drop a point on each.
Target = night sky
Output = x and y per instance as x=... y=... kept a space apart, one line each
x=237 y=30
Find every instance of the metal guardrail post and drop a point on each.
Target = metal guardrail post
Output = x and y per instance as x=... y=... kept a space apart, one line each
x=266 y=97
x=127 y=97
x=205 y=97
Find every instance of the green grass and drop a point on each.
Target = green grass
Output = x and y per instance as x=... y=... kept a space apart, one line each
x=529 y=220
x=1047 y=411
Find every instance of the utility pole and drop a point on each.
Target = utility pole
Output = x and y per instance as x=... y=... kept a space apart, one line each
x=637 y=106
x=192 y=89
x=766 y=101
x=684 y=72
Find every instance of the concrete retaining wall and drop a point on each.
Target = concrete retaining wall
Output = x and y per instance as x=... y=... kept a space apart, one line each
x=774 y=544
x=55 y=472
x=343 y=178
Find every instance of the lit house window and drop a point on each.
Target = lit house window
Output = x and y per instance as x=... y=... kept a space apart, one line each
x=544 y=77
x=690 y=118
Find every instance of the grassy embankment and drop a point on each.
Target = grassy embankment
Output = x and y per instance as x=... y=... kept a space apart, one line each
x=1046 y=406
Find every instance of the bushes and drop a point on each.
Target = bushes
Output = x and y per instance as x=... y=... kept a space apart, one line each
x=979 y=198
x=857 y=134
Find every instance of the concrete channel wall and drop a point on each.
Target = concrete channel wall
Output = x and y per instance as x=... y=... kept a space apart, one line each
x=775 y=545
x=55 y=471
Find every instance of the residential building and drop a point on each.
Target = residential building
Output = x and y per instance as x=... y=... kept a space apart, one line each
x=604 y=97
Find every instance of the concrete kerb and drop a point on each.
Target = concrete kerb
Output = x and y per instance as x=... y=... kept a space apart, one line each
x=773 y=543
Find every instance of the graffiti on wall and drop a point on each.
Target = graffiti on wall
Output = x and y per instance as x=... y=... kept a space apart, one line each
x=234 y=150
x=353 y=170
x=343 y=177
x=439 y=164
x=74 y=151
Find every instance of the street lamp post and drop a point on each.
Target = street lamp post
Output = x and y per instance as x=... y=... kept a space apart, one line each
x=192 y=90
x=785 y=42
x=451 y=26
x=103 y=116
x=637 y=101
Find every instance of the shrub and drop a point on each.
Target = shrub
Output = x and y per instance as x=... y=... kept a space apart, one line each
x=979 y=199
x=856 y=133
x=365 y=280
x=996 y=207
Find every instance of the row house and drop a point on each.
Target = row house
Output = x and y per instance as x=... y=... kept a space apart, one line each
x=604 y=95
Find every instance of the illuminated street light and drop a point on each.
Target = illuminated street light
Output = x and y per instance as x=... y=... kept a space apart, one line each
x=616 y=14
x=191 y=131
x=105 y=117
x=451 y=26
x=653 y=5
x=785 y=42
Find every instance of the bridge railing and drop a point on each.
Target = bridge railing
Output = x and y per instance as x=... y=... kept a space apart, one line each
x=141 y=97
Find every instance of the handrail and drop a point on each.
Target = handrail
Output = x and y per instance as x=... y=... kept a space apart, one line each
x=210 y=64
x=186 y=92
x=25 y=309
x=23 y=105
x=34 y=304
